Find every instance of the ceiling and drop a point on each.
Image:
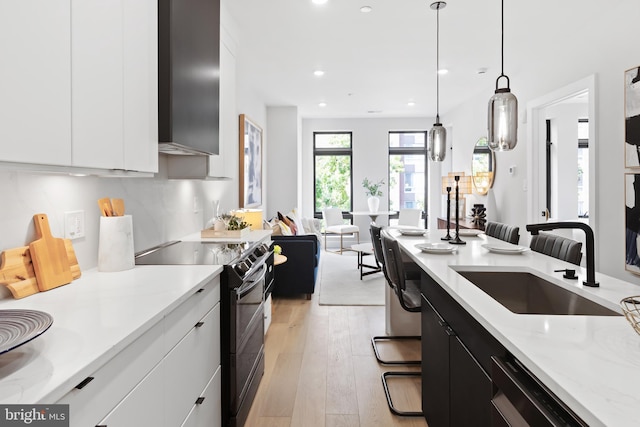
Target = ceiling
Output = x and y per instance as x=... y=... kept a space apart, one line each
x=376 y=63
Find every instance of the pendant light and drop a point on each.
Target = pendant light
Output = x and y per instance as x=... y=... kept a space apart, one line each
x=437 y=146
x=503 y=110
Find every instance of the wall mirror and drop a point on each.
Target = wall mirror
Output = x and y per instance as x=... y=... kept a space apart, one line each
x=483 y=166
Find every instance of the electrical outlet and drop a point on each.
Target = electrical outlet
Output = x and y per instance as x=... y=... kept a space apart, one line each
x=74 y=225
x=196 y=204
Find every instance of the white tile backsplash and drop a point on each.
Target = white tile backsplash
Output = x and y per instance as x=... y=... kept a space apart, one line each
x=162 y=209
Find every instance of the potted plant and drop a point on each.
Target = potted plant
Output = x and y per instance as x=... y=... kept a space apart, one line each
x=373 y=191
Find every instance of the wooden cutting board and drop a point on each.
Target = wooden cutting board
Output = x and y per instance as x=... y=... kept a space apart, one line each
x=16 y=270
x=49 y=256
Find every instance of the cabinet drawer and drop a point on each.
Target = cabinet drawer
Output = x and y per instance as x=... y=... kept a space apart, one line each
x=190 y=365
x=179 y=322
x=140 y=407
x=209 y=411
x=90 y=403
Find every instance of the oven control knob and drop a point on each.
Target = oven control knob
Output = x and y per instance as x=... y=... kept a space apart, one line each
x=241 y=268
x=260 y=250
x=252 y=258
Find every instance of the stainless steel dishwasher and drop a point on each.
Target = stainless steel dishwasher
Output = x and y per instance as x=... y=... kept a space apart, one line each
x=520 y=399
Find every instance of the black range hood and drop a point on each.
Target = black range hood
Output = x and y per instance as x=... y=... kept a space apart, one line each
x=188 y=76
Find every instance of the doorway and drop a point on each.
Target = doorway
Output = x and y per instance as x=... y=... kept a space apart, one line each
x=561 y=155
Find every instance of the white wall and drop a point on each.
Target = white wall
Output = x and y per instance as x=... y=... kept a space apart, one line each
x=370 y=158
x=283 y=156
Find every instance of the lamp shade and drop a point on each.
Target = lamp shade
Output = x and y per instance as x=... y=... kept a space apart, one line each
x=503 y=121
x=447 y=181
x=251 y=216
x=464 y=185
x=437 y=142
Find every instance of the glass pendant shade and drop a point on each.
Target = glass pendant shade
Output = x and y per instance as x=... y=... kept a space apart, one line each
x=437 y=143
x=503 y=121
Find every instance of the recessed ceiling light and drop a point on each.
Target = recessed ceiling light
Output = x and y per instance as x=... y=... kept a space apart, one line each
x=411 y=103
x=322 y=104
x=443 y=71
x=318 y=73
x=319 y=1
x=366 y=9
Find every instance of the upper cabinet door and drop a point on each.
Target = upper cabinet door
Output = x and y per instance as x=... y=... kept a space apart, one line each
x=97 y=97
x=115 y=91
x=141 y=85
x=35 y=85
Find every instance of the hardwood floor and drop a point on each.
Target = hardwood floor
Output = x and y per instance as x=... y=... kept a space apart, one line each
x=320 y=369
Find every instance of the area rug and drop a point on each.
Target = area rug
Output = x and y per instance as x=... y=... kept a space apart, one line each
x=340 y=282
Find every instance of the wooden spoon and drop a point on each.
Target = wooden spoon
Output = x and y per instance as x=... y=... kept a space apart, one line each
x=105 y=206
x=118 y=207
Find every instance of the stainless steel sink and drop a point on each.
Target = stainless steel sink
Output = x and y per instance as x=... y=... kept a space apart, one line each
x=525 y=293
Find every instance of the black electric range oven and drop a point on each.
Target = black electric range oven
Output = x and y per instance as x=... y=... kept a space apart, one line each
x=247 y=274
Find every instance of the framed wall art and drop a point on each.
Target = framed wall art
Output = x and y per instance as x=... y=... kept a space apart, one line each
x=632 y=222
x=632 y=117
x=250 y=163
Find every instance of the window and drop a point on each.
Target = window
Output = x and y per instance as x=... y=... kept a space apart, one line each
x=332 y=171
x=407 y=170
x=583 y=168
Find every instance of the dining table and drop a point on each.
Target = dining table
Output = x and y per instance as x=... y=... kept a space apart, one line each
x=373 y=215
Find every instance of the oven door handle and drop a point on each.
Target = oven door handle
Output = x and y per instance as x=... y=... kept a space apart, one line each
x=247 y=287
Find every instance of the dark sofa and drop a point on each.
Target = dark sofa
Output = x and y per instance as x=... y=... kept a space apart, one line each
x=298 y=275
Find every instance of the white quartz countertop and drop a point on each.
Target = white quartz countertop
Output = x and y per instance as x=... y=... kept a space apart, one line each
x=94 y=318
x=592 y=363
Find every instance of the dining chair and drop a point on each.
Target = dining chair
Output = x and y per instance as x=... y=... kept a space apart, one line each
x=408 y=294
x=410 y=216
x=334 y=224
x=508 y=233
x=557 y=246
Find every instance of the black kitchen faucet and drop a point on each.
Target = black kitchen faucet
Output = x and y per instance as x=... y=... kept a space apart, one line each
x=590 y=249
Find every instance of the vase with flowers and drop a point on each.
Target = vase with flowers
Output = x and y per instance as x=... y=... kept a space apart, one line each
x=373 y=191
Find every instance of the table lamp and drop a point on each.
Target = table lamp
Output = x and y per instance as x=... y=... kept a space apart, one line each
x=250 y=216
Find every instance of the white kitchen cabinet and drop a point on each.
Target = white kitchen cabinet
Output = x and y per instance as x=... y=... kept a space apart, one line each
x=35 y=81
x=100 y=392
x=140 y=407
x=190 y=365
x=157 y=379
x=78 y=83
x=114 y=96
x=208 y=410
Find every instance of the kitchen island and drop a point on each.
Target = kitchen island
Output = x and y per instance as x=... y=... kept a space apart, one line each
x=114 y=341
x=591 y=363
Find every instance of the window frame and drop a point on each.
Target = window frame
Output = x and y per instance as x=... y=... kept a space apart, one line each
x=394 y=151
x=334 y=151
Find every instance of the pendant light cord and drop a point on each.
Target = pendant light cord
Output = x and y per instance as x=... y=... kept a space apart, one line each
x=438 y=65
x=502 y=47
x=502 y=38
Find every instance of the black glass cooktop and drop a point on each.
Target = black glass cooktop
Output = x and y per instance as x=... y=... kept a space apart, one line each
x=193 y=253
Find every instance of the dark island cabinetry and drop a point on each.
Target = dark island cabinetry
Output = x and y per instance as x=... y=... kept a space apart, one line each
x=456 y=361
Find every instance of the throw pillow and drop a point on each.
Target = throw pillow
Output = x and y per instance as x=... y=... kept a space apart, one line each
x=289 y=223
x=296 y=218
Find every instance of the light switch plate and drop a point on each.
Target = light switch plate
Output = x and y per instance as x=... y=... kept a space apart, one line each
x=74 y=225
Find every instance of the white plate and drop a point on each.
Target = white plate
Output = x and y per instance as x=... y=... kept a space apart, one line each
x=505 y=249
x=467 y=232
x=412 y=231
x=436 y=248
